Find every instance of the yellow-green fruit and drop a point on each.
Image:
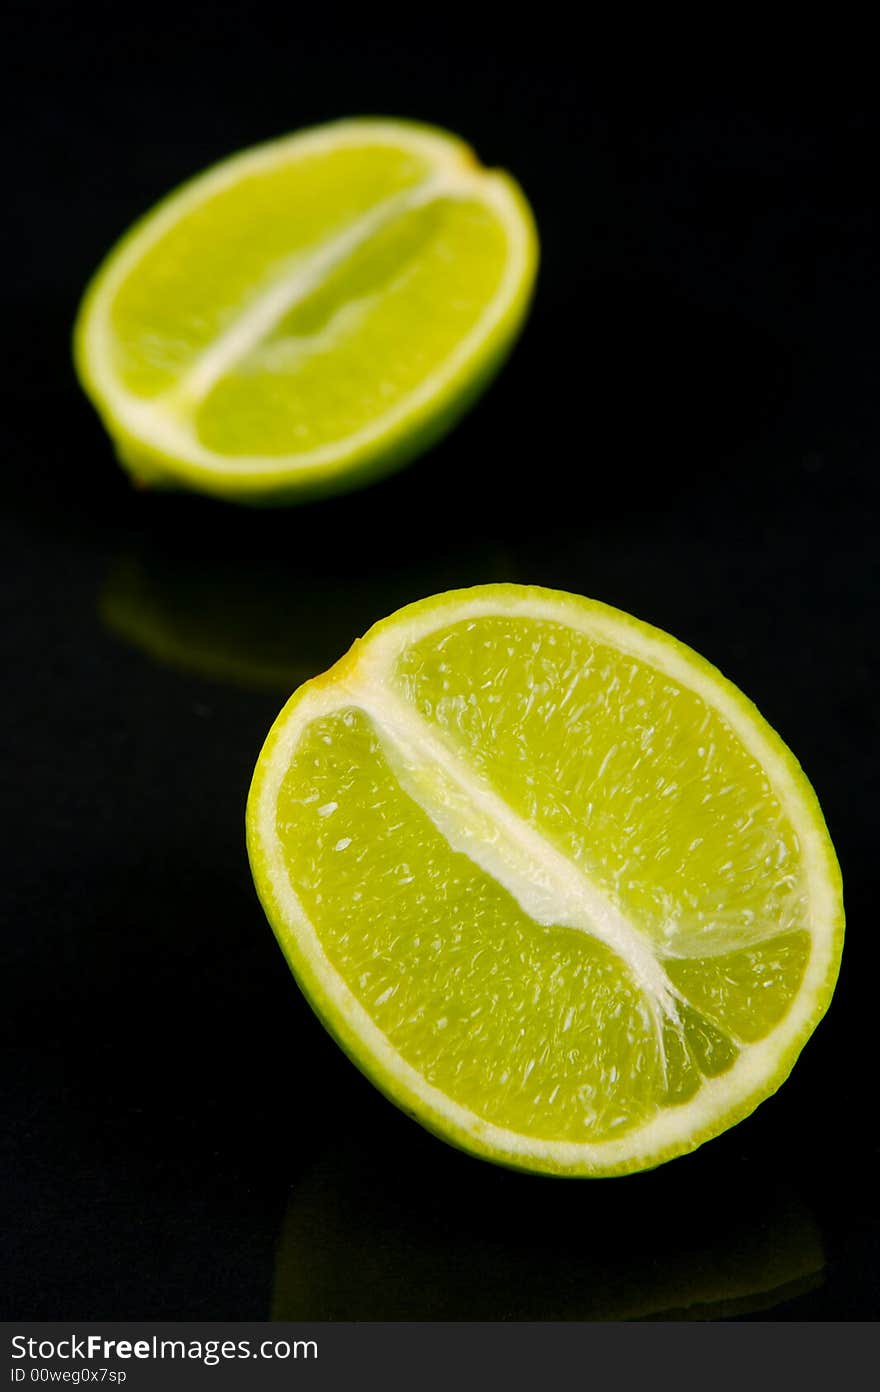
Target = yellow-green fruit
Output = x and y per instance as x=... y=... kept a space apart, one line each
x=549 y=879
x=309 y=313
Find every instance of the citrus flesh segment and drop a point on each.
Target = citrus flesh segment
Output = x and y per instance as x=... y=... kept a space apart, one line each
x=312 y=309
x=549 y=879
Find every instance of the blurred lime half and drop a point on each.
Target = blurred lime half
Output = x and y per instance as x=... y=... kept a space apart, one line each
x=307 y=314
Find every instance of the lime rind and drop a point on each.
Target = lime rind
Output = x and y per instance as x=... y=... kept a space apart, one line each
x=160 y=450
x=721 y=1101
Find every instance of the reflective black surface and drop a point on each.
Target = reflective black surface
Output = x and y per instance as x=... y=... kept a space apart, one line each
x=688 y=430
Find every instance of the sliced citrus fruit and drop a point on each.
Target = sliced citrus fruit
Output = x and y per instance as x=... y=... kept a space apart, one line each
x=549 y=879
x=308 y=313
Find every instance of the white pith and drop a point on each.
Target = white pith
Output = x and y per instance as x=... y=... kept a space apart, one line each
x=546 y=885
x=165 y=423
x=363 y=682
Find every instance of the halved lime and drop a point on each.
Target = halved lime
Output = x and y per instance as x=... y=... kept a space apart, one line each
x=308 y=313
x=549 y=879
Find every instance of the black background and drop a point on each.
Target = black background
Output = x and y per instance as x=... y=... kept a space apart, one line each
x=688 y=429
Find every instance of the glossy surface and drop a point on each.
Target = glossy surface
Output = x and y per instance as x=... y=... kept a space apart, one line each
x=178 y=1129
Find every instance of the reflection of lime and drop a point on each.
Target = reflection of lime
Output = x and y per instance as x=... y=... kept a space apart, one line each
x=252 y=622
x=308 y=313
x=362 y=1242
x=548 y=878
